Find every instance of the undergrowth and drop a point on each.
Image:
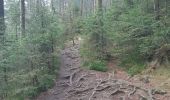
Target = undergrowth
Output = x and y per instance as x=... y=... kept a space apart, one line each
x=132 y=64
x=29 y=84
x=90 y=59
x=97 y=65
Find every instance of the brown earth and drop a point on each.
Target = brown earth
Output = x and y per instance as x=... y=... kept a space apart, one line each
x=77 y=83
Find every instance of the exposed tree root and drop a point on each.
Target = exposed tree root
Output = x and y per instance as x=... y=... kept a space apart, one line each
x=116 y=92
x=80 y=91
x=66 y=77
x=64 y=84
x=150 y=94
x=87 y=85
x=142 y=97
x=74 y=68
x=131 y=93
x=157 y=91
x=103 y=88
x=81 y=78
x=94 y=89
x=72 y=76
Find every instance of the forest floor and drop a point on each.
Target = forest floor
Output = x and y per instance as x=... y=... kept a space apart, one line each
x=78 y=83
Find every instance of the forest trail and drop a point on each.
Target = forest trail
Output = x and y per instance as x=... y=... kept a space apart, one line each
x=77 y=83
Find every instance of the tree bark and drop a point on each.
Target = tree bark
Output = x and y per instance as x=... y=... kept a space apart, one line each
x=100 y=8
x=2 y=39
x=100 y=16
x=81 y=8
x=23 y=17
x=2 y=20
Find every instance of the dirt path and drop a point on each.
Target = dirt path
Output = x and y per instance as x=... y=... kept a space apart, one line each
x=75 y=83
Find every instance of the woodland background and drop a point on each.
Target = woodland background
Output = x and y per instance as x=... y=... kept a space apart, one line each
x=32 y=32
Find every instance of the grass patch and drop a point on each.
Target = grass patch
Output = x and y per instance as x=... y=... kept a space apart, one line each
x=132 y=64
x=97 y=65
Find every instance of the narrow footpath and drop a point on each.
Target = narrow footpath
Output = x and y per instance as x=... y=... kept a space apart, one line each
x=77 y=83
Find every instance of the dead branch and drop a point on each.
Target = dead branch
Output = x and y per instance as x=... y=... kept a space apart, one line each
x=66 y=77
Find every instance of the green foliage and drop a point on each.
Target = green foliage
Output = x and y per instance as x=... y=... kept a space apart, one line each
x=29 y=64
x=98 y=65
x=135 y=33
x=129 y=30
x=131 y=33
x=31 y=73
x=45 y=82
x=90 y=58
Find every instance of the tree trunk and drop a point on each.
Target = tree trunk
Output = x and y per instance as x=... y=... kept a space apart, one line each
x=2 y=20
x=2 y=40
x=100 y=6
x=100 y=16
x=147 y=4
x=2 y=23
x=157 y=9
x=23 y=17
x=52 y=7
x=166 y=7
x=81 y=9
